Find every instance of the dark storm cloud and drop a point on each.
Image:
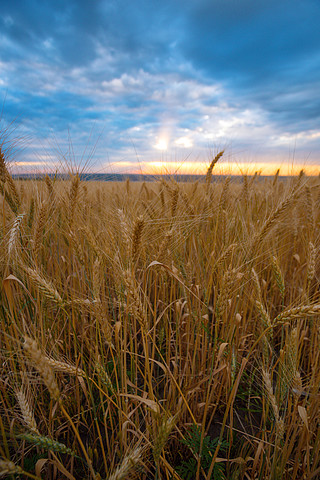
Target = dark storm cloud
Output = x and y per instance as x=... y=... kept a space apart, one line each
x=261 y=51
x=252 y=41
x=140 y=30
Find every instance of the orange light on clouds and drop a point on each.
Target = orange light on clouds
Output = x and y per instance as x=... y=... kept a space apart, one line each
x=265 y=168
x=30 y=164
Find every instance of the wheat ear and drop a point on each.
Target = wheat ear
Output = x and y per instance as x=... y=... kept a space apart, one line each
x=45 y=286
x=14 y=233
x=309 y=209
x=27 y=413
x=311 y=263
x=288 y=366
x=8 y=198
x=13 y=190
x=104 y=377
x=46 y=443
x=9 y=468
x=174 y=199
x=65 y=367
x=136 y=238
x=49 y=185
x=272 y=219
x=162 y=436
x=275 y=178
x=165 y=244
x=297 y=312
x=127 y=465
x=273 y=403
x=40 y=362
x=278 y=277
x=128 y=187
x=209 y=171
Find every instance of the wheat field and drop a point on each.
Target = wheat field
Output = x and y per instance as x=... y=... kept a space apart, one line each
x=160 y=330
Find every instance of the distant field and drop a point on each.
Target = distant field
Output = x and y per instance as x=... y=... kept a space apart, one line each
x=140 y=177
x=160 y=330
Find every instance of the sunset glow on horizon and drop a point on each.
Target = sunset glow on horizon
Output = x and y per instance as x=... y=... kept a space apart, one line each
x=174 y=168
x=223 y=168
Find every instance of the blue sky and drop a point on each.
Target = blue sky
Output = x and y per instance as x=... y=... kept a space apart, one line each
x=127 y=85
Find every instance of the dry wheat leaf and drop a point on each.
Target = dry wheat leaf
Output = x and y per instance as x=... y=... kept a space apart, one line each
x=303 y=415
x=150 y=403
x=39 y=466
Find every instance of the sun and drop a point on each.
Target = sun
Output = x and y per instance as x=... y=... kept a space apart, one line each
x=162 y=144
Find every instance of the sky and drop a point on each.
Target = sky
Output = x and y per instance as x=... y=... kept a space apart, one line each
x=160 y=85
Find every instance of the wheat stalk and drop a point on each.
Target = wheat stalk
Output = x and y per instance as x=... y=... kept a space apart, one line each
x=40 y=222
x=31 y=213
x=165 y=244
x=245 y=191
x=135 y=306
x=161 y=195
x=77 y=247
x=174 y=192
x=224 y=194
x=96 y=279
x=73 y=198
x=125 y=230
x=225 y=291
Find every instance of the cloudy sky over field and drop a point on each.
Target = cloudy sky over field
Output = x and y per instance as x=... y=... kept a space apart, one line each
x=147 y=82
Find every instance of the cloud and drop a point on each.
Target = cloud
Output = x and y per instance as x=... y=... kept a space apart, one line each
x=199 y=73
